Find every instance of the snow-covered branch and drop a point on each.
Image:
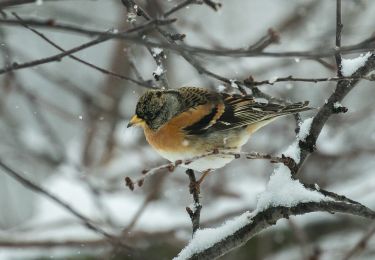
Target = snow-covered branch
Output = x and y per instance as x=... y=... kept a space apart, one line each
x=360 y=67
x=213 y=243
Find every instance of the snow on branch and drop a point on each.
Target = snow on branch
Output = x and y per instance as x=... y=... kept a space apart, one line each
x=215 y=242
x=349 y=66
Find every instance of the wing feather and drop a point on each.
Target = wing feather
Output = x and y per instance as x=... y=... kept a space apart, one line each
x=243 y=111
x=232 y=111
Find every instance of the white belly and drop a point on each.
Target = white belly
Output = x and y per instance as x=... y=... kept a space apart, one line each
x=212 y=162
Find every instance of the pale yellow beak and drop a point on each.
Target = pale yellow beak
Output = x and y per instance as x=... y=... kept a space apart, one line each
x=135 y=121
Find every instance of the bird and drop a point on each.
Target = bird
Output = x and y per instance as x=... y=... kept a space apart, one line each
x=190 y=122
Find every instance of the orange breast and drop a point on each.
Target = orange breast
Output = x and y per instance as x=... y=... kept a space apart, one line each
x=170 y=137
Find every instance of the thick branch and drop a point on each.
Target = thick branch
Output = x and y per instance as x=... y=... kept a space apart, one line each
x=342 y=89
x=269 y=217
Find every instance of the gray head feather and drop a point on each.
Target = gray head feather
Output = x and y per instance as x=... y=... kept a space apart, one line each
x=156 y=107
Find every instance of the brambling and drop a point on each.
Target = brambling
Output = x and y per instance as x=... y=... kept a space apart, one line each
x=188 y=122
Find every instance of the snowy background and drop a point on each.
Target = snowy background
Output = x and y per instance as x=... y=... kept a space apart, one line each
x=63 y=126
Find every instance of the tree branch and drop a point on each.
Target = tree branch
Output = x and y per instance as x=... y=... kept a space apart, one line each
x=172 y=165
x=194 y=189
x=361 y=244
x=310 y=80
x=269 y=217
x=342 y=89
x=339 y=27
x=9 y=3
x=38 y=189
x=48 y=40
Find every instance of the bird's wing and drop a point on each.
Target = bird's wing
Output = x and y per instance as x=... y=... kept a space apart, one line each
x=193 y=97
x=203 y=106
x=233 y=111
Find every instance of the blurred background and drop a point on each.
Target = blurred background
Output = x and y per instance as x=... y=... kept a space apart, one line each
x=63 y=126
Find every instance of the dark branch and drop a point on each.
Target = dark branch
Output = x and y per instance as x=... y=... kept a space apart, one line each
x=361 y=244
x=270 y=216
x=310 y=80
x=86 y=222
x=57 y=57
x=172 y=165
x=9 y=3
x=119 y=76
x=194 y=189
x=180 y=6
x=342 y=89
x=339 y=27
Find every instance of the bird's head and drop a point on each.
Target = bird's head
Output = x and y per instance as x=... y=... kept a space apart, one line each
x=155 y=108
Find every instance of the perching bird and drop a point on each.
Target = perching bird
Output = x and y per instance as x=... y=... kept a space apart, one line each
x=189 y=122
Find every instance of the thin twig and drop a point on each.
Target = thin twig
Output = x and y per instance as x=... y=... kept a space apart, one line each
x=194 y=189
x=54 y=58
x=361 y=244
x=144 y=83
x=180 y=6
x=159 y=56
x=9 y=3
x=339 y=27
x=236 y=155
x=55 y=25
x=36 y=188
x=314 y=54
x=310 y=80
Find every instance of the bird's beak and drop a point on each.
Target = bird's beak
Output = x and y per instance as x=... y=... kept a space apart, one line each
x=135 y=121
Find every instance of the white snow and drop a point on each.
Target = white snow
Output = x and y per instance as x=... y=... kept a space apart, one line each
x=282 y=190
x=293 y=150
x=132 y=17
x=233 y=83
x=337 y=105
x=220 y=88
x=205 y=238
x=349 y=66
x=304 y=128
x=156 y=51
x=158 y=71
